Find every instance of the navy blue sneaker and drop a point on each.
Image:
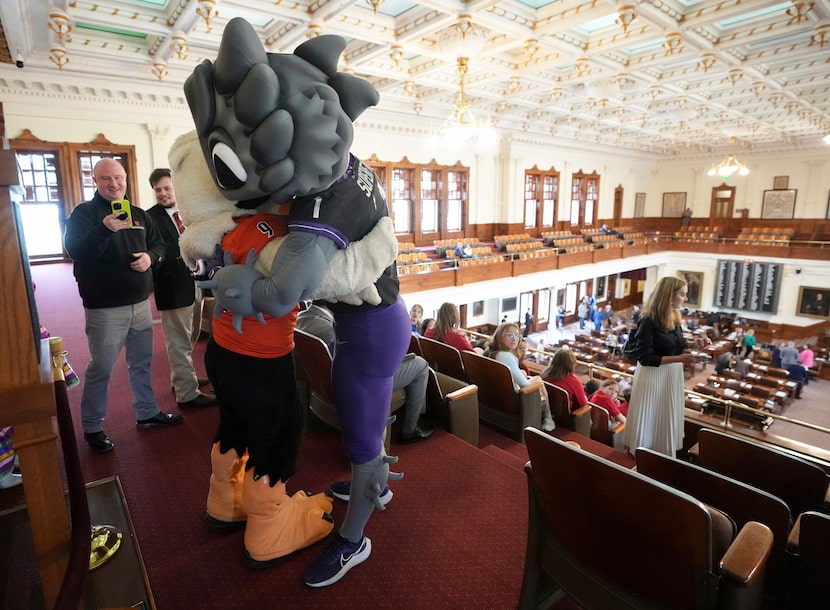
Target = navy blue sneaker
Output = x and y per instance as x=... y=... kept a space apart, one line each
x=342 y=491
x=340 y=557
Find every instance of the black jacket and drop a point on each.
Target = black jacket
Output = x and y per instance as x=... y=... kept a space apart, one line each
x=173 y=282
x=102 y=258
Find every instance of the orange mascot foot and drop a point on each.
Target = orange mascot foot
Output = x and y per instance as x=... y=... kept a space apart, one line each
x=224 y=503
x=278 y=524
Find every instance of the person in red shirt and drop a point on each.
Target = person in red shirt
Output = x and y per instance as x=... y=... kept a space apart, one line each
x=560 y=372
x=445 y=327
x=606 y=397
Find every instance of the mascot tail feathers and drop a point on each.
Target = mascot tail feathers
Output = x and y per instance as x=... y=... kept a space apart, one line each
x=224 y=502
x=278 y=524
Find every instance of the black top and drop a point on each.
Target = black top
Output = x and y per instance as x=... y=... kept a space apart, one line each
x=345 y=212
x=173 y=284
x=652 y=343
x=102 y=258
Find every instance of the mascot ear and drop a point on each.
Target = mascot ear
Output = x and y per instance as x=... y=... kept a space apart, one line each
x=356 y=94
x=239 y=51
x=322 y=52
x=198 y=89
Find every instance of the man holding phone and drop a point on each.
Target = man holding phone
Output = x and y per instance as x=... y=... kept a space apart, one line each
x=113 y=253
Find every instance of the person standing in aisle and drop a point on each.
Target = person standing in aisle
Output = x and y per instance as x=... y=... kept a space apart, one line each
x=178 y=299
x=113 y=253
x=655 y=414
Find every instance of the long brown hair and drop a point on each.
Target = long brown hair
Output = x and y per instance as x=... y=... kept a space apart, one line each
x=446 y=321
x=497 y=342
x=658 y=305
x=561 y=365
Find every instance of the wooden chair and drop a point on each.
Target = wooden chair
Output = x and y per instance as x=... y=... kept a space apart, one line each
x=810 y=541
x=742 y=502
x=801 y=484
x=312 y=354
x=603 y=430
x=454 y=404
x=678 y=552
x=415 y=345
x=560 y=409
x=499 y=403
x=443 y=358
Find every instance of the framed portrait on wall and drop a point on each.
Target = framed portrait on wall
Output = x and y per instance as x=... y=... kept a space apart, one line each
x=639 y=205
x=813 y=302
x=779 y=204
x=478 y=308
x=780 y=182
x=673 y=205
x=694 y=280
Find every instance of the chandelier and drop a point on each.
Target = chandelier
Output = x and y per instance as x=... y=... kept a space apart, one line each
x=462 y=124
x=727 y=167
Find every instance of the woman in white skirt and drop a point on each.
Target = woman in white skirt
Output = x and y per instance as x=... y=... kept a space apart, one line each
x=655 y=414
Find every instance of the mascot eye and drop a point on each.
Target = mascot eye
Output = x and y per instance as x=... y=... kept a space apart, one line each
x=230 y=174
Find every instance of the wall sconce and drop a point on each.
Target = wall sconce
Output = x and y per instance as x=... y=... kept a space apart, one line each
x=179 y=44
x=60 y=24
x=207 y=11
x=159 y=69
x=58 y=56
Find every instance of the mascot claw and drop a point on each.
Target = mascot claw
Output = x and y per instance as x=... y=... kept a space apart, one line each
x=232 y=286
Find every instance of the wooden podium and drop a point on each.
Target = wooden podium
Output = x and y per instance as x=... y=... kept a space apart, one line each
x=27 y=403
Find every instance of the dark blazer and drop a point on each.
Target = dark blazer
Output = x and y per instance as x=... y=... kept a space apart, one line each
x=173 y=282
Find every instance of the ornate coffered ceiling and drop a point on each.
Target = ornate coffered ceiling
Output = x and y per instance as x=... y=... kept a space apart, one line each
x=652 y=76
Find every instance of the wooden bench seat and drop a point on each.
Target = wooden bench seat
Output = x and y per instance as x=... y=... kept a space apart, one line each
x=613 y=538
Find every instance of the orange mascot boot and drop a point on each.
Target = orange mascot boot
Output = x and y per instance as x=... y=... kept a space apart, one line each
x=224 y=501
x=279 y=524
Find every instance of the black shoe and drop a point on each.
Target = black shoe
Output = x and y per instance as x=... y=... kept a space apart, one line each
x=99 y=442
x=160 y=419
x=201 y=400
x=203 y=381
x=419 y=434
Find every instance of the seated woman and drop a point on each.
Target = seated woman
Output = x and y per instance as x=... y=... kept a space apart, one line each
x=560 y=372
x=504 y=347
x=606 y=397
x=445 y=327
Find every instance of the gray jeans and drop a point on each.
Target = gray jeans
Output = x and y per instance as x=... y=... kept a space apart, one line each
x=108 y=330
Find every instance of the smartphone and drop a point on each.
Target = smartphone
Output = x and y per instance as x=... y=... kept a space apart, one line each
x=121 y=208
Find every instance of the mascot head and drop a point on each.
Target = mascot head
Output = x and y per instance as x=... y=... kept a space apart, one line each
x=273 y=126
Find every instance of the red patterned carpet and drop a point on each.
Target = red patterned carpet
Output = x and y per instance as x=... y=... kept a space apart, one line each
x=452 y=537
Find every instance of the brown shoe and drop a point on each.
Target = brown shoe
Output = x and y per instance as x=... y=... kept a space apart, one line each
x=201 y=400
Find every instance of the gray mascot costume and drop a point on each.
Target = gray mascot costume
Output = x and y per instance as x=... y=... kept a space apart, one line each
x=275 y=130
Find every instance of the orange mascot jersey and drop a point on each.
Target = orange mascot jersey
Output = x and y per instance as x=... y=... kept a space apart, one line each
x=276 y=337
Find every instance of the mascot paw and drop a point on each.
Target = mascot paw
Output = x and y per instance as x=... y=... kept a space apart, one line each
x=232 y=286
